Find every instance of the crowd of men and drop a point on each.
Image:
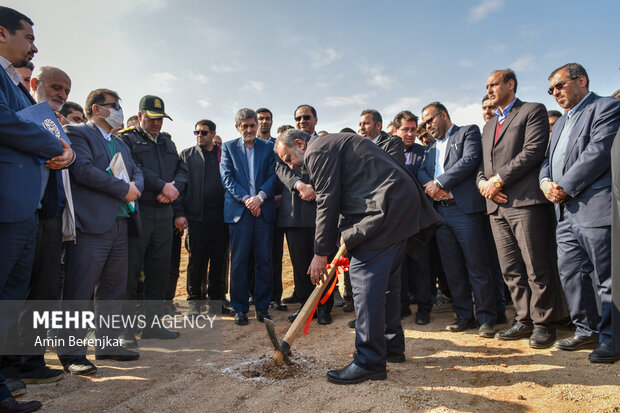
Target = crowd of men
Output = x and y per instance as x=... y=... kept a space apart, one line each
x=507 y=198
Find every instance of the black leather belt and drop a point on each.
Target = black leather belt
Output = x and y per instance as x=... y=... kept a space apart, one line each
x=446 y=202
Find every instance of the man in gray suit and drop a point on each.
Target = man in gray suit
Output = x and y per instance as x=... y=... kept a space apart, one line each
x=97 y=263
x=576 y=177
x=352 y=178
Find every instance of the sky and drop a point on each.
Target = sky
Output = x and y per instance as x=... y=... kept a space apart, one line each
x=208 y=59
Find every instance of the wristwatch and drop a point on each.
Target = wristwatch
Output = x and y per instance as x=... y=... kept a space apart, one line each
x=438 y=184
x=496 y=184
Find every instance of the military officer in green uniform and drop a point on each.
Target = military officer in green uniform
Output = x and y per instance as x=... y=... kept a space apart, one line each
x=165 y=176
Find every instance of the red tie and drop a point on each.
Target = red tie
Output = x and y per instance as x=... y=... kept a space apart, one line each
x=498 y=131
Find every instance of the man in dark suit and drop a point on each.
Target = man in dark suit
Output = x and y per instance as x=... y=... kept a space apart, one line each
x=371 y=124
x=361 y=206
x=416 y=275
x=22 y=144
x=298 y=216
x=448 y=174
x=615 y=243
x=248 y=175
x=513 y=146
x=576 y=177
x=200 y=209
x=97 y=263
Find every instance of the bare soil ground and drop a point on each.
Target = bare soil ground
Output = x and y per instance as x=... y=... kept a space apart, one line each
x=444 y=372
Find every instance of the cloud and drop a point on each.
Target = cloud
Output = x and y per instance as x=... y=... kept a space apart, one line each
x=198 y=77
x=324 y=56
x=483 y=9
x=376 y=76
x=404 y=103
x=256 y=85
x=203 y=103
x=525 y=63
x=224 y=68
x=466 y=115
x=161 y=82
x=466 y=63
x=339 y=101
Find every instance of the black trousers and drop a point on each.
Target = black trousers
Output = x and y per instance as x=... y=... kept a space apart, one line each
x=44 y=283
x=301 y=249
x=175 y=262
x=208 y=245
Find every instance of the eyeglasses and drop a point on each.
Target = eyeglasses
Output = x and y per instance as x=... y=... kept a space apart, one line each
x=115 y=105
x=558 y=86
x=430 y=120
x=305 y=117
x=202 y=132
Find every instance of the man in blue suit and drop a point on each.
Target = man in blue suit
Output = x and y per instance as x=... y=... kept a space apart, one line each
x=248 y=175
x=448 y=174
x=576 y=177
x=22 y=144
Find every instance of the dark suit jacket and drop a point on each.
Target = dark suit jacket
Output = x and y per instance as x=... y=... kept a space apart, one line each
x=587 y=162
x=363 y=193
x=97 y=194
x=294 y=212
x=189 y=204
x=235 y=178
x=394 y=147
x=460 y=166
x=518 y=154
x=417 y=156
x=20 y=142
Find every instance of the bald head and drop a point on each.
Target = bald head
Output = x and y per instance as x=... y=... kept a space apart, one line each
x=51 y=85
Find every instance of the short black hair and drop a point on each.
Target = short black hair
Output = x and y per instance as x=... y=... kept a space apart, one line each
x=97 y=97
x=406 y=115
x=554 y=114
x=376 y=116
x=574 y=71
x=69 y=107
x=485 y=97
x=12 y=19
x=437 y=105
x=308 y=106
x=206 y=122
x=284 y=128
x=261 y=110
x=347 y=130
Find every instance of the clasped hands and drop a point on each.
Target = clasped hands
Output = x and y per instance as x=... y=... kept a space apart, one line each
x=306 y=192
x=488 y=190
x=168 y=193
x=431 y=189
x=553 y=192
x=253 y=203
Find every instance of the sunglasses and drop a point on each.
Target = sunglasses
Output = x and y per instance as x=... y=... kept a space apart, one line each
x=558 y=86
x=304 y=117
x=201 y=132
x=430 y=120
x=115 y=105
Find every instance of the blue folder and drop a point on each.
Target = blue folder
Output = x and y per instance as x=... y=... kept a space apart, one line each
x=46 y=119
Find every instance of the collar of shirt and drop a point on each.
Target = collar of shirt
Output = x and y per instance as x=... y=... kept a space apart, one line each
x=579 y=106
x=106 y=135
x=501 y=116
x=376 y=139
x=10 y=70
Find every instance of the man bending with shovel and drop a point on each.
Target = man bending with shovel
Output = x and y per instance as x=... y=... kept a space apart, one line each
x=376 y=206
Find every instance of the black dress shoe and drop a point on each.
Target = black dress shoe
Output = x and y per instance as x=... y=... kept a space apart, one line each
x=291 y=299
x=324 y=317
x=604 y=353
x=16 y=386
x=576 y=342
x=515 y=332
x=351 y=323
x=80 y=367
x=405 y=311
x=41 y=375
x=241 y=319
x=261 y=315
x=352 y=374
x=461 y=325
x=542 y=337
x=117 y=353
x=293 y=316
x=11 y=405
x=159 y=332
x=486 y=330
x=396 y=358
x=423 y=317
x=278 y=305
